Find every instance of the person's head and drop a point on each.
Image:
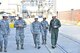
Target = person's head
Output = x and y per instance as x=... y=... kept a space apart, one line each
x=36 y=18
x=5 y=16
x=44 y=18
x=53 y=17
x=20 y=17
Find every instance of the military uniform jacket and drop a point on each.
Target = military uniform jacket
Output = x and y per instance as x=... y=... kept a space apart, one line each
x=4 y=27
x=44 y=25
x=53 y=23
x=36 y=28
x=20 y=22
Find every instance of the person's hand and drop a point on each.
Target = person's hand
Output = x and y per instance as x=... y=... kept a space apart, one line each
x=46 y=27
x=20 y=25
x=55 y=27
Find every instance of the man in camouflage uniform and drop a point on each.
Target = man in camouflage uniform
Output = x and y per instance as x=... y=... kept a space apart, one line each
x=4 y=32
x=44 y=24
x=20 y=24
x=54 y=29
x=36 y=30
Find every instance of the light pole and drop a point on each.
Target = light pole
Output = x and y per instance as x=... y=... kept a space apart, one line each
x=57 y=14
x=72 y=16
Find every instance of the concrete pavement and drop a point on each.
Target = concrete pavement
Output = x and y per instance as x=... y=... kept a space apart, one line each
x=64 y=45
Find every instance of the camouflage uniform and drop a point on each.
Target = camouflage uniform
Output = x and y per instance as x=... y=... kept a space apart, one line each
x=36 y=30
x=45 y=27
x=20 y=32
x=4 y=32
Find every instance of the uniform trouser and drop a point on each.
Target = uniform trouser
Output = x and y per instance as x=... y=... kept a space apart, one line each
x=54 y=37
x=19 y=38
x=3 y=38
x=44 y=38
x=36 y=38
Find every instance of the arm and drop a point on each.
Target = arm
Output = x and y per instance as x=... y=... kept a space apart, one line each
x=59 y=24
x=50 y=25
x=8 y=28
x=24 y=24
x=31 y=28
x=16 y=24
x=47 y=25
x=41 y=29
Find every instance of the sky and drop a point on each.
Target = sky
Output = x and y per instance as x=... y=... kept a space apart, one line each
x=67 y=4
x=62 y=5
x=9 y=4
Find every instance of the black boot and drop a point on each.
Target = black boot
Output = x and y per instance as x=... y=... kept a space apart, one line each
x=17 y=46
x=39 y=47
x=53 y=47
x=1 y=49
x=22 y=46
x=5 y=50
x=35 y=46
x=1 y=46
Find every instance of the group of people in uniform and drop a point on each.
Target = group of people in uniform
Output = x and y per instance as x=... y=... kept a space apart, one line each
x=37 y=29
x=42 y=28
x=19 y=24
